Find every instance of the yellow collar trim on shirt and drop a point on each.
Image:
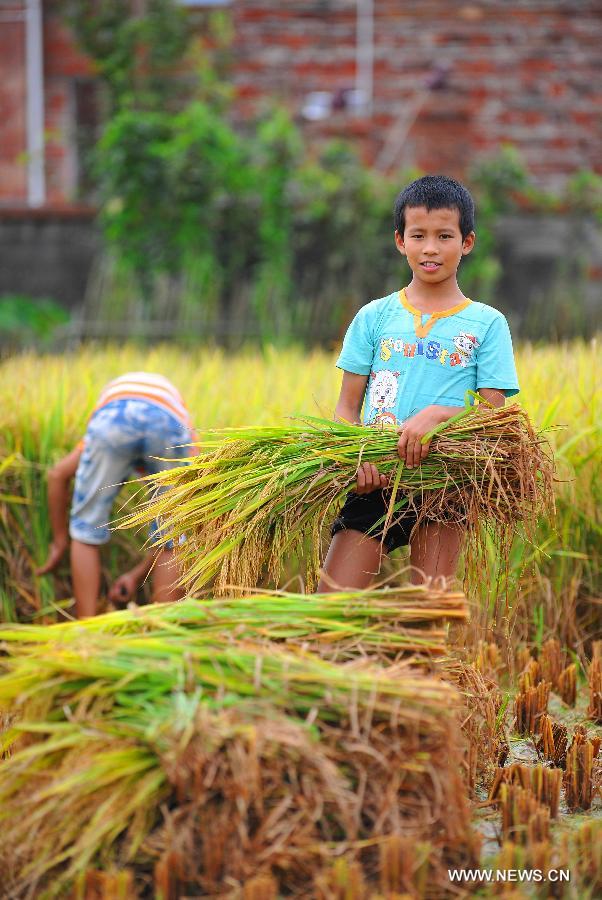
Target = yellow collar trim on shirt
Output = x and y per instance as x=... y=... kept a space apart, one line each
x=420 y=329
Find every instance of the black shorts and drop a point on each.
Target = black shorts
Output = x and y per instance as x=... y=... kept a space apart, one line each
x=362 y=512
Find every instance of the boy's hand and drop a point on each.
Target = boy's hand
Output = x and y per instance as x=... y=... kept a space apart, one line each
x=409 y=446
x=56 y=552
x=369 y=479
x=123 y=589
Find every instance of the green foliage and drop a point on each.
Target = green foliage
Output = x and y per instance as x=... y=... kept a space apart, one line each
x=495 y=182
x=252 y=232
x=164 y=182
x=498 y=180
x=584 y=193
x=25 y=320
x=134 y=54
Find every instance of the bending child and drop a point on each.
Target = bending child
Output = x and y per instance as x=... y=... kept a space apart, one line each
x=408 y=360
x=139 y=424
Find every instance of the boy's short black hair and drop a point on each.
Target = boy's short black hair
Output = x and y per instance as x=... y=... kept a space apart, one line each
x=436 y=192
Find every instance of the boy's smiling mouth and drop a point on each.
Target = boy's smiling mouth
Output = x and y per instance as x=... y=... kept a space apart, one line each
x=430 y=265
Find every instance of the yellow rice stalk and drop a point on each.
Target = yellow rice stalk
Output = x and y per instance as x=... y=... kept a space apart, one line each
x=551 y=662
x=381 y=623
x=567 y=685
x=531 y=676
x=488 y=659
x=524 y=820
x=579 y=772
x=260 y=887
x=105 y=728
x=96 y=884
x=253 y=495
x=587 y=851
x=523 y=658
x=594 y=709
x=543 y=783
x=482 y=720
x=553 y=741
x=529 y=707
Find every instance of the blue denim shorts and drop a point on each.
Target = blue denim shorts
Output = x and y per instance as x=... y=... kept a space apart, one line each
x=122 y=437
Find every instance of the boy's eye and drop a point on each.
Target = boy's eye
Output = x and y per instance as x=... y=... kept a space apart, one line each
x=446 y=235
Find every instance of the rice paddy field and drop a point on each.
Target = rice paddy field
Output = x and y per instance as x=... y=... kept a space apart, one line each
x=255 y=744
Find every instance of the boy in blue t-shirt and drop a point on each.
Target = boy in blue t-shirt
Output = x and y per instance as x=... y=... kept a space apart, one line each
x=408 y=360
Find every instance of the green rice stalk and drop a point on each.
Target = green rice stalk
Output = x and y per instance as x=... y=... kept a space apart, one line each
x=383 y=622
x=255 y=495
x=98 y=722
x=243 y=786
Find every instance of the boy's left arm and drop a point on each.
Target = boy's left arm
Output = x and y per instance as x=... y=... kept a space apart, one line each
x=409 y=446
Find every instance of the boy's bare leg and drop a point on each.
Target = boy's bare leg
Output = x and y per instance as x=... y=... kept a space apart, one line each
x=85 y=573
x=434 y=551
x=353 y=561
x=165 y=575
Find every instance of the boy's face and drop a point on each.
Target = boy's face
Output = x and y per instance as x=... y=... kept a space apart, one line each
x=432 y=243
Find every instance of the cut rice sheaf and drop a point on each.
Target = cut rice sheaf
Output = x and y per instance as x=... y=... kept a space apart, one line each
x=255 y=496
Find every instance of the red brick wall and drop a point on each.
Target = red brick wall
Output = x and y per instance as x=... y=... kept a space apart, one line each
x=63 y=64
x=526 y=72
x=13 y=184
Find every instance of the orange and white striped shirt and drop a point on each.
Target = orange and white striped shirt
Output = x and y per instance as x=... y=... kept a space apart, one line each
x=146 y=386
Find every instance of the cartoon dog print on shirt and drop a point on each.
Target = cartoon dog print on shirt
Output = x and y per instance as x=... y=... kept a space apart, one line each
x=383 y=394
x=465 y=344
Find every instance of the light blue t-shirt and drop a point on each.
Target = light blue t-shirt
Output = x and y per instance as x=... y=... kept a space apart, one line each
x=414 y=360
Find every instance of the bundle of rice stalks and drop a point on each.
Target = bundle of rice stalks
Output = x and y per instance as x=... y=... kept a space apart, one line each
x=524 y=820
x=482 y=718
x=380 y=623
x=262 y=757
x=254 y=495
x=567 y=685
x=587 y=852
x=594 y=709
x=552 y=662
x=530 y=705
x=579 y=769
x=111 y=885
x=531 y=676
x=488 y=659
x=553 y=742
x=406 y=867
x=543 y=783
x=523 y=658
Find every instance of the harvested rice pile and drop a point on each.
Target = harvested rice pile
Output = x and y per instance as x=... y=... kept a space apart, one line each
x=200 y=760
x=380 y=623
x=255 y=495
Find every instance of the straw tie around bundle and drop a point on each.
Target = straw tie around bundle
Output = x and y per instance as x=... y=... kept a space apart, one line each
x=255 y=495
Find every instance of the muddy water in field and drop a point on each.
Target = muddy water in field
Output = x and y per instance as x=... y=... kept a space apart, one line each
x=523 y=752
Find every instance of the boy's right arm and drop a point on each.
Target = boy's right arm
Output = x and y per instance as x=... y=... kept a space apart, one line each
x=59 y=480
x=348 y=409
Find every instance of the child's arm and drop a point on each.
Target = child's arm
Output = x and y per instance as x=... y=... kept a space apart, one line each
x=348 y=409
x=59 y=481
x=409 y=446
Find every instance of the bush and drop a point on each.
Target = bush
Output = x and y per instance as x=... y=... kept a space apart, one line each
x=25 y=320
